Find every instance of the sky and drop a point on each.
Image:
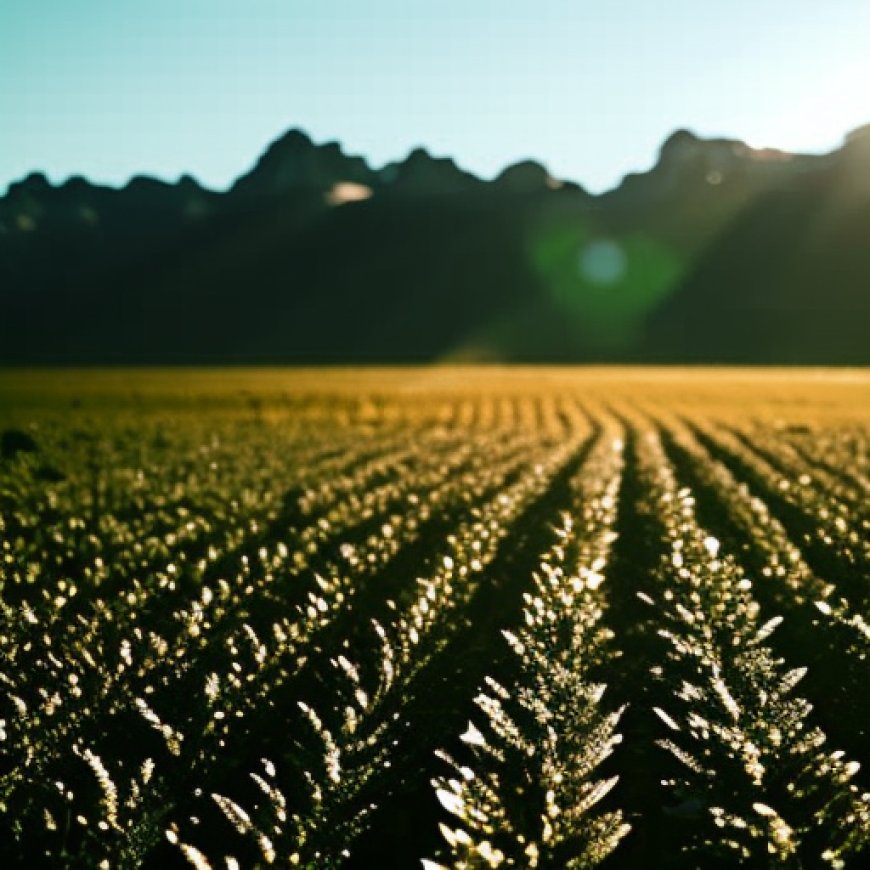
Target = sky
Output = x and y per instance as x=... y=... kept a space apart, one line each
x=109 y=89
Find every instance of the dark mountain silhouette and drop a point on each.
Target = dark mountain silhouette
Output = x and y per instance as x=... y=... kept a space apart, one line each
x=294 y=163
x=719 y=253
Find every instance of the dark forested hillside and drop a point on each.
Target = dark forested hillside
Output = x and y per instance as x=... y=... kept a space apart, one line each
x=720 y=253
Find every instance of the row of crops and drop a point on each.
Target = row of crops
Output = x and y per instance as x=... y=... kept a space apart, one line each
x=519 y=627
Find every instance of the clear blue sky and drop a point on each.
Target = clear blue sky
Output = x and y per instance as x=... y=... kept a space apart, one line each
x=108 y=88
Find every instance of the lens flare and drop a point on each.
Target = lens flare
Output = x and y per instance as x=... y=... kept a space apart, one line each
x=602 y=262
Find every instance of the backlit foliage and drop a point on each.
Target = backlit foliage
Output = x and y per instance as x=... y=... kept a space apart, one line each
x=247 y=628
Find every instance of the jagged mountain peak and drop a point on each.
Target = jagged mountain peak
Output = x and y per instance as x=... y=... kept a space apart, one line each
x=526 y=176
x=423 y=173
x=295 y=162
x=859 y=134
x=34 y=183
x=681 y=139
x=856 y=146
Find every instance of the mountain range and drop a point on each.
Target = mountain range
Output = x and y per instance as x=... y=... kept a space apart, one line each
x=721 y=253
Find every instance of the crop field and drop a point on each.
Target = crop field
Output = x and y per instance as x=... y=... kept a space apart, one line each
x=516 y=618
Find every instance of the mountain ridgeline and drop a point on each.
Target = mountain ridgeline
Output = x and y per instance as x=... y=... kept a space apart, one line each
x=720 y=253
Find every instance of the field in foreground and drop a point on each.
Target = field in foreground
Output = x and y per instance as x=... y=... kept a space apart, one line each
x=486 y=618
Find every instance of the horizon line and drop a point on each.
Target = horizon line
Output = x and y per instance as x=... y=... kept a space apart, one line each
x=189 y=174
